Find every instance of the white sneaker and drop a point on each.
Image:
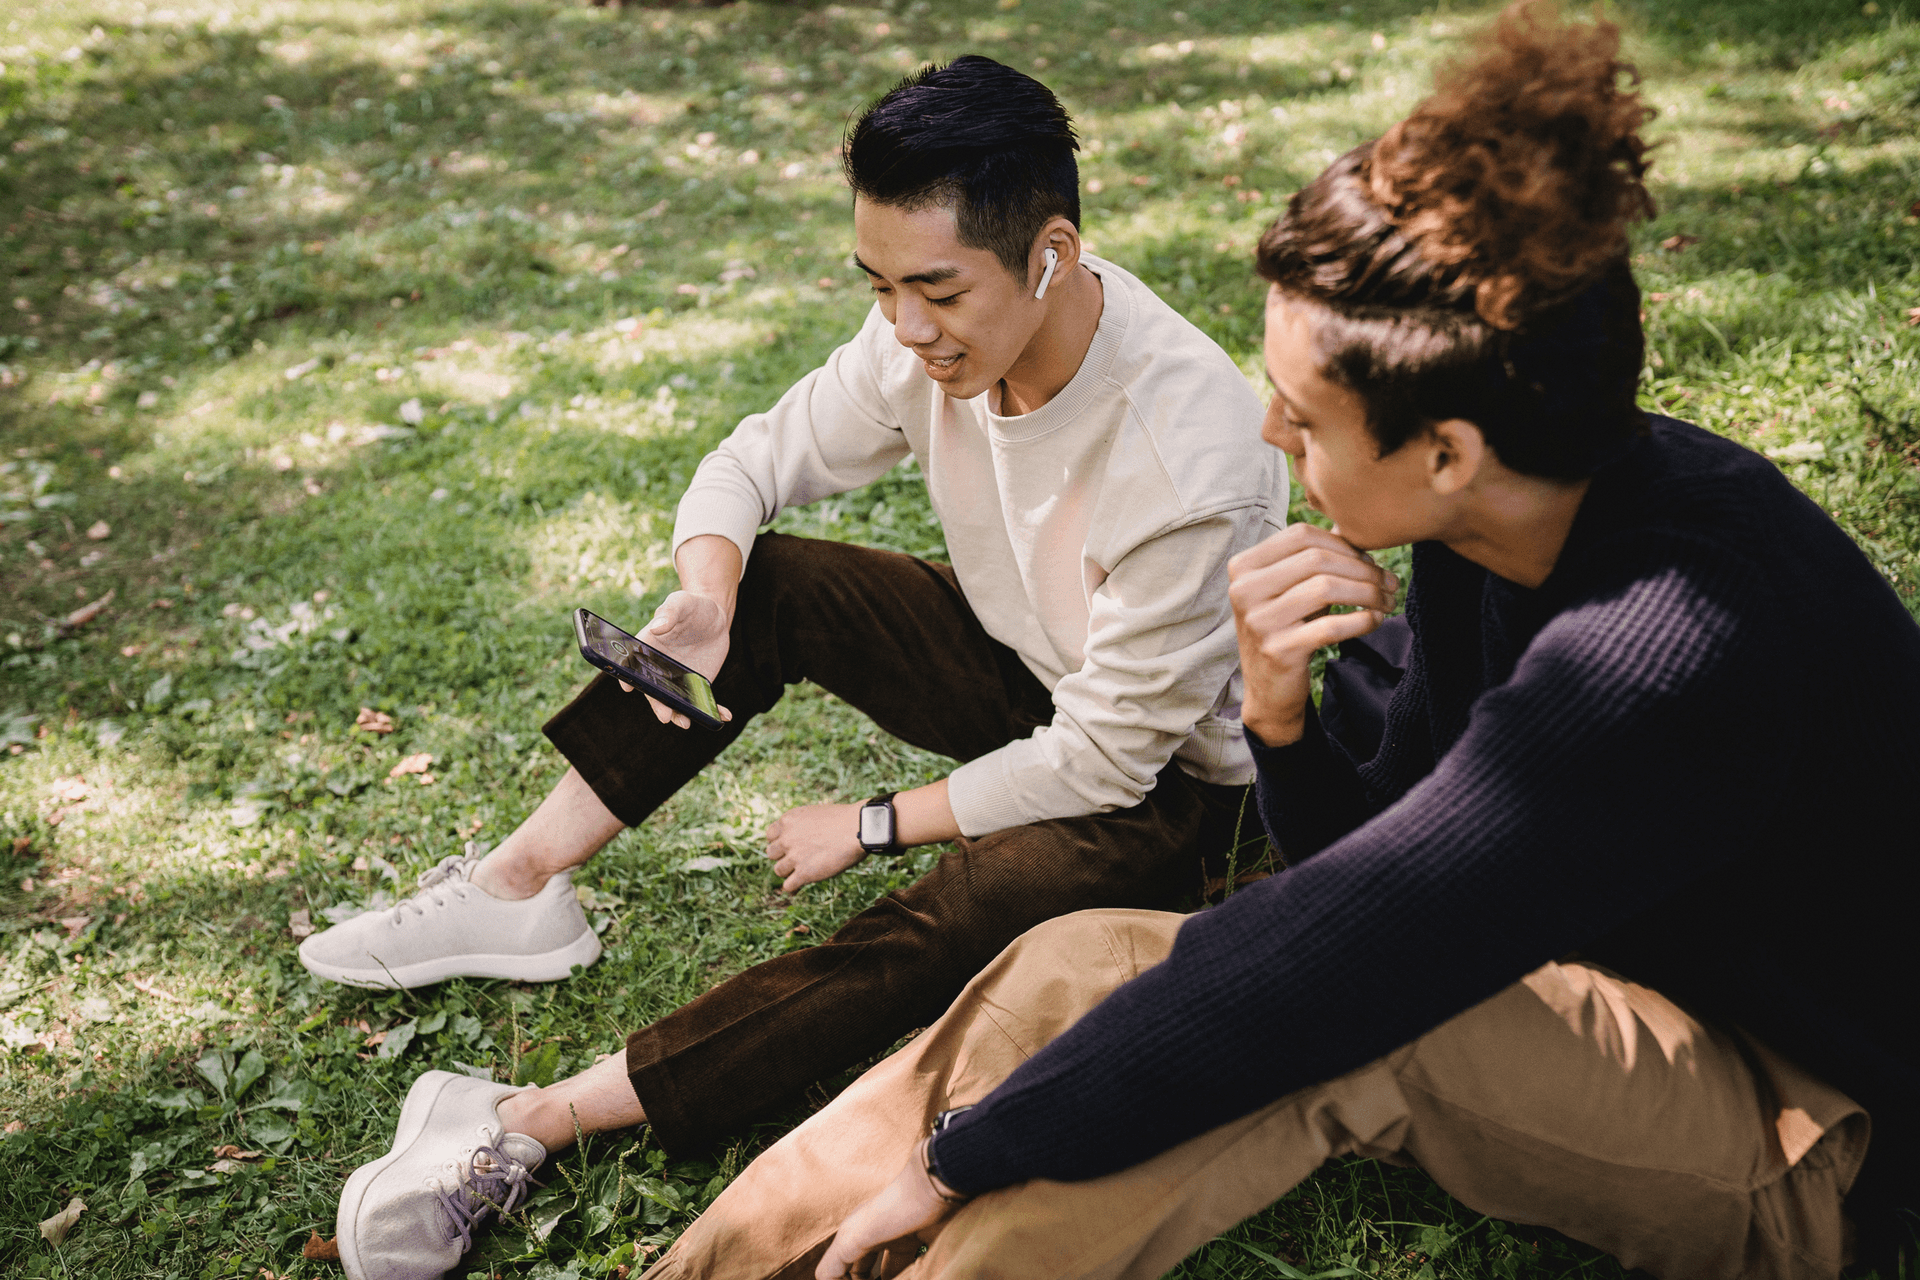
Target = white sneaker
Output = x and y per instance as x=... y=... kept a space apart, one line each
x=453 y=928
x=410 y=1215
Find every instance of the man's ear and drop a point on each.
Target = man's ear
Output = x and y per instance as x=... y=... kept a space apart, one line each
x=1061 y=236
x=1456 y=453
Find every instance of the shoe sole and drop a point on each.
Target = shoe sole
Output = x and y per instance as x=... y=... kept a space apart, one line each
x=413 y=1122
x=548 y=966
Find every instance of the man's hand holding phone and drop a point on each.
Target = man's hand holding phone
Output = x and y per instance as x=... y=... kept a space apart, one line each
x=694 y=629
x=694 y=623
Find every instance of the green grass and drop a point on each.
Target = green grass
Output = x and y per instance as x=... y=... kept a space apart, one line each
x=567 y=249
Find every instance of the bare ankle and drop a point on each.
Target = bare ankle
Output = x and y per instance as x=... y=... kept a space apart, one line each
x=519 y=1111
x=508 y=880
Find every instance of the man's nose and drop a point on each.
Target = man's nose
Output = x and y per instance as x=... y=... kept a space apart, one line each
x=913 y=322
x=1278 y=433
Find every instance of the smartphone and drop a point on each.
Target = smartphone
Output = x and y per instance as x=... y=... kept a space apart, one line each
x=638 y=663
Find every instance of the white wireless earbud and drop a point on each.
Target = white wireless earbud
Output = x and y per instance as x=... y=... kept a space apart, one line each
x=1046 y=277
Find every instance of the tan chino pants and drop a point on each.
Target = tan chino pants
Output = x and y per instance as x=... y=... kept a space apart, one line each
x=1573 y=1099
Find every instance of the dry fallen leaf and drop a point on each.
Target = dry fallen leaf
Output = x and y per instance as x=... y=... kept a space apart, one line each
x=55 y=1228
x=1674 y=244
x=373 y=721
x=1913 y=316
x=86 y=613
x=100 y=531
x=378 y=1037
x=412 y=764
x=300 y=924
x=155 y=989
x=74 y=924
x=71 y=790
x=318 y=1250
x=227 y=1151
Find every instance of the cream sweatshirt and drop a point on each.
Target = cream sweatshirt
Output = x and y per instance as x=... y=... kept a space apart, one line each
x=1091 y=536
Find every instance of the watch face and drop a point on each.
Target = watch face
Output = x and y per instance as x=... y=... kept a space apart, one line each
x=876 y=825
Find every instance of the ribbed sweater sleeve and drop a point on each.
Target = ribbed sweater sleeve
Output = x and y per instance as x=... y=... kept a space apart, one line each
x=1624 y=758
x=1309 y=791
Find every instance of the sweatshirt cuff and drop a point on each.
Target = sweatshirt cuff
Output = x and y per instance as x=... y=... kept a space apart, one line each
x=982 y=796
x=737 y=522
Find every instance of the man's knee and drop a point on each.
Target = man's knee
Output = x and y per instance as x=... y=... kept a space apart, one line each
x=1108 y=940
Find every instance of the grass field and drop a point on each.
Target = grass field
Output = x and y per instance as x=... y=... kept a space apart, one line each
x=346 y=346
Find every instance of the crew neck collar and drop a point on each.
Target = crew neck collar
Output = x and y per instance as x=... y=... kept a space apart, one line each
x=1116 y=309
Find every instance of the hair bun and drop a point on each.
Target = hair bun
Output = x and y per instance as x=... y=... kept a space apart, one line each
x=1525 y=166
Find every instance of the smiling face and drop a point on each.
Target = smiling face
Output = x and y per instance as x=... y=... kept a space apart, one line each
x=1373 y=501
x=960 y=310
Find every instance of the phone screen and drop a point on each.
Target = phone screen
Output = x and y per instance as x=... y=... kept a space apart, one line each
x=644 y=660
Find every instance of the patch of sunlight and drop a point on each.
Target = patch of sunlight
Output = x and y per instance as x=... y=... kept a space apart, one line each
x=234 y=408
x=576 y=108
x=599 y=544
x=617 y=413
x=745 y=815
x=701 y=337
x=475 y=376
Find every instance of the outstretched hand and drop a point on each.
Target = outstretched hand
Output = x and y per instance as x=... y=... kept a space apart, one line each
x=694 y=629
x=904 y=1215
x=1282 y=590
x=814 y=842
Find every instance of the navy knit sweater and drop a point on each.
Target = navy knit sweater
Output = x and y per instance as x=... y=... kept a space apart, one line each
x=1689 y=755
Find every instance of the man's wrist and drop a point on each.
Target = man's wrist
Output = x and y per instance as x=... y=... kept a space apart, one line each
x=710 y=565
x=946 y=1194
x=1274 y=730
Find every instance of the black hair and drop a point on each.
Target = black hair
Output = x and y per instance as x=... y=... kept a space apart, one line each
x=1472 y=262
x=994 y=143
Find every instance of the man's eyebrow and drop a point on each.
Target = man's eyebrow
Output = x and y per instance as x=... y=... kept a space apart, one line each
x=939 y=275
x=1282 y=396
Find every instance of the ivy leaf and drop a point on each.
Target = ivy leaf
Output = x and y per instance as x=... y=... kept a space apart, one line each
x=177 y=1099
x=398 y=1038
x=250 y=1069
x=539 y=1066
x=217 y=1070
x=291 y=1095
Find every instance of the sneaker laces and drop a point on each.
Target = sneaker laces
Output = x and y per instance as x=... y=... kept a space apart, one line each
x=493 y=1182
x=453 y=871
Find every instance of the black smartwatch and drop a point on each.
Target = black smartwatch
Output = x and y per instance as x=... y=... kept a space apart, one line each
x=879 y=832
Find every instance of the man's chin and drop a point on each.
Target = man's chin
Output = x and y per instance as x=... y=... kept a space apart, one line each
x=962 y=388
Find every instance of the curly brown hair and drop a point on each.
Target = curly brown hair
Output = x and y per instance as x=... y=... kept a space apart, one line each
x=1472 y=261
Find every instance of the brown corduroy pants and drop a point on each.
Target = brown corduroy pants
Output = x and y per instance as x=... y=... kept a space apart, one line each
x=894 y=637
x=1574 y=1099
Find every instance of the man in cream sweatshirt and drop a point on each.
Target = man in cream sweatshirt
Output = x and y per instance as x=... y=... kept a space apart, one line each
x=1094 y=461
